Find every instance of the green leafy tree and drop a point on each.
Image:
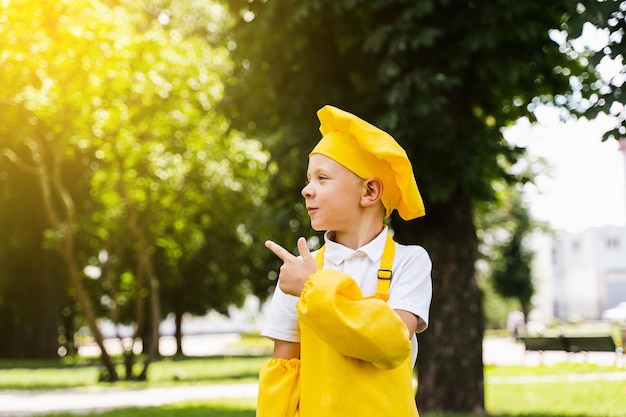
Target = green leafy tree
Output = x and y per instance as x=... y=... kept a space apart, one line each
x=443 y=77
x=511 y=259
x=33 y=125
x=606 y=93
x=120 y=100
x=504 y=226
x=512 y=275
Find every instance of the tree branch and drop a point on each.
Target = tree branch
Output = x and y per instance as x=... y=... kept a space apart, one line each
x=12 y=157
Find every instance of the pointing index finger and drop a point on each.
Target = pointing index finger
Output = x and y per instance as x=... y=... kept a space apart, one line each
x=278 y=250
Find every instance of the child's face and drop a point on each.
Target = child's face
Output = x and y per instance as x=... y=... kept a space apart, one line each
x=332 y=195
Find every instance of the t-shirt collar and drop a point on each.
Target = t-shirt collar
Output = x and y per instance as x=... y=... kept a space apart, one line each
x=337 y=253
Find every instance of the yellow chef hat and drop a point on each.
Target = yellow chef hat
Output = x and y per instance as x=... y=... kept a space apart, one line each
x=370 y=152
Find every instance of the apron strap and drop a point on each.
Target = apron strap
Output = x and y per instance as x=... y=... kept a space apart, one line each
x=384 y=271
x=319 y=257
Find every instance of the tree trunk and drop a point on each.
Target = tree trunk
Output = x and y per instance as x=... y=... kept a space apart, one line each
x=129 y=363
x=178 y=318
x=450 y=366
x=87 y=310
x=61 y=216
x=151 y=347
x=147 y=280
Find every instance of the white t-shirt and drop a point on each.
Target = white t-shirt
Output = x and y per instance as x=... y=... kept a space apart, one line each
x=410 y=289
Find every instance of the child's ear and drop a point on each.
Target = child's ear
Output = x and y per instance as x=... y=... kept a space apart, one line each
x=372 y=192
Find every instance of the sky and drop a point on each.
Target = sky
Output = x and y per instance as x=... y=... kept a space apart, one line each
x=584 y=185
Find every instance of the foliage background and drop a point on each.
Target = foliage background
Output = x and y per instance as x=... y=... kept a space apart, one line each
x=148 y=147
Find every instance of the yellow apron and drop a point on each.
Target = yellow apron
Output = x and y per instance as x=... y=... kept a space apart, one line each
x=355 y=353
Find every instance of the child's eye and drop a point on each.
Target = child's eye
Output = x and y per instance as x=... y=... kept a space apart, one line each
x=317 y=178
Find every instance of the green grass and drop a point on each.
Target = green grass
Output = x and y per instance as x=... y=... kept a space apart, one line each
x=508 y=391
x=560 y=368
x=531 y=392
x=16 y=374
x=214 y=408
x=597 y=399
x=589 y=399
x=207 y=370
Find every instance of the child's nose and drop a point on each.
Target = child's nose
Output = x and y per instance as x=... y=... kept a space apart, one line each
x=306 y=191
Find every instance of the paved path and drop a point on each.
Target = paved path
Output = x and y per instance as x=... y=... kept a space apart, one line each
x=500 y=351
x=94 y=399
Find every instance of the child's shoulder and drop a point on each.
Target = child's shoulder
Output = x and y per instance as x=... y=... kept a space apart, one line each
x=411 y=251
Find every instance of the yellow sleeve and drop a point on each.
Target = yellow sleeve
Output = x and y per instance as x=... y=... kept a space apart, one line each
x=364 y=328
x=279 y=388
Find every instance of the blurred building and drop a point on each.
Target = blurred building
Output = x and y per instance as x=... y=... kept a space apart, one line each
x=579 y=275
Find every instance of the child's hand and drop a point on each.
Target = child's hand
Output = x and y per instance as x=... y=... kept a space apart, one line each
x=295 y=271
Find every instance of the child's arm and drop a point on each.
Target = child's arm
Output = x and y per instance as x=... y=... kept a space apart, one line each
x=279 y=378
x=279 y=388
x=279 y=382
x=409 y=319
x=331 y=303
x=333 y=306
x=286 y=350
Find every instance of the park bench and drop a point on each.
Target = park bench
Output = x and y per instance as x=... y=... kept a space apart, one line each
x=572 y=344
x=577 y=344
x=542 y=343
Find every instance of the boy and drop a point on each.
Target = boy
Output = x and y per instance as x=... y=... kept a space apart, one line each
x=344 y=318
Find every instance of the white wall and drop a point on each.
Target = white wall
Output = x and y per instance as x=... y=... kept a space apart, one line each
x=585 y=274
